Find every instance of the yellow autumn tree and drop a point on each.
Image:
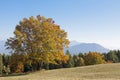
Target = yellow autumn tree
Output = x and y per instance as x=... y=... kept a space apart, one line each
x=40 y=40
x=92 y=58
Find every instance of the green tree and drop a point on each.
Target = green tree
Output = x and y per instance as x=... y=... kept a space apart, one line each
x=6 y=59
x=81 y=55
x=40 y=41
x=78 y=60
x=112 y=56
x=70 y=61
x=81 y=61
x=1 y=65
x=118 y=54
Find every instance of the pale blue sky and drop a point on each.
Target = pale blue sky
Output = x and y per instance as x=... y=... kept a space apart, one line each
x=88 y=21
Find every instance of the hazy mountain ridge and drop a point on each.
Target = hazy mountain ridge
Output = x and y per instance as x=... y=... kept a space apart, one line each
x=73 y=43
x=86 y=47
x=74 y=47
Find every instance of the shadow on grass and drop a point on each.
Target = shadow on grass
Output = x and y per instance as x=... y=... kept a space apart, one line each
x=14 y=74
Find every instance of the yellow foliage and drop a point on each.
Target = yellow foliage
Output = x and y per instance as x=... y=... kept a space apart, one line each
x=93 y=58
x=41 y=39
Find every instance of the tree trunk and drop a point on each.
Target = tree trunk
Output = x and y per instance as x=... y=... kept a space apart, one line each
x=41 y=65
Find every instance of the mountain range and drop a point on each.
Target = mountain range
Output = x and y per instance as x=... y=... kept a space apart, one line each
x=74 y=47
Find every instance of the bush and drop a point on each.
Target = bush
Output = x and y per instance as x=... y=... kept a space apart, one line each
x=17 y=67
x=6 y=70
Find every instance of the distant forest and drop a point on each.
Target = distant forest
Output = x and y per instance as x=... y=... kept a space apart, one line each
x=14 y=64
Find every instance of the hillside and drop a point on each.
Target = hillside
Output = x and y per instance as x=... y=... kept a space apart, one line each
x=86 y=47
x=94 y=72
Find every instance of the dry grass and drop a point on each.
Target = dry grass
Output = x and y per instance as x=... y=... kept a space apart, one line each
x=95 y=72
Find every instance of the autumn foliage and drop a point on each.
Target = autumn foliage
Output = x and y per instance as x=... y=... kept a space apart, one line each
x=92 y=58
x=39 y=40
x=39 y=43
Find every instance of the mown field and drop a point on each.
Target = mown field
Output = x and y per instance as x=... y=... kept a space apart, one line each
x=93 y=72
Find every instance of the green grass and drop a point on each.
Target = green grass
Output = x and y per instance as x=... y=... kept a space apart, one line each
x=93 y=72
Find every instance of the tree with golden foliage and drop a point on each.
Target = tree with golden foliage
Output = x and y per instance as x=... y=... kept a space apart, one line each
x=92 y=58
x=39 y=40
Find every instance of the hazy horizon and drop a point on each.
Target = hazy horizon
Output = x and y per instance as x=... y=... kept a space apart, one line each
x=89 y=21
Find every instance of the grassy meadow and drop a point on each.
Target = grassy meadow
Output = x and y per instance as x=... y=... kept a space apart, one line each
x=93 y=72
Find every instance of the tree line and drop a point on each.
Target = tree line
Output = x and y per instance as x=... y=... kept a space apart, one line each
x=12 y=65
